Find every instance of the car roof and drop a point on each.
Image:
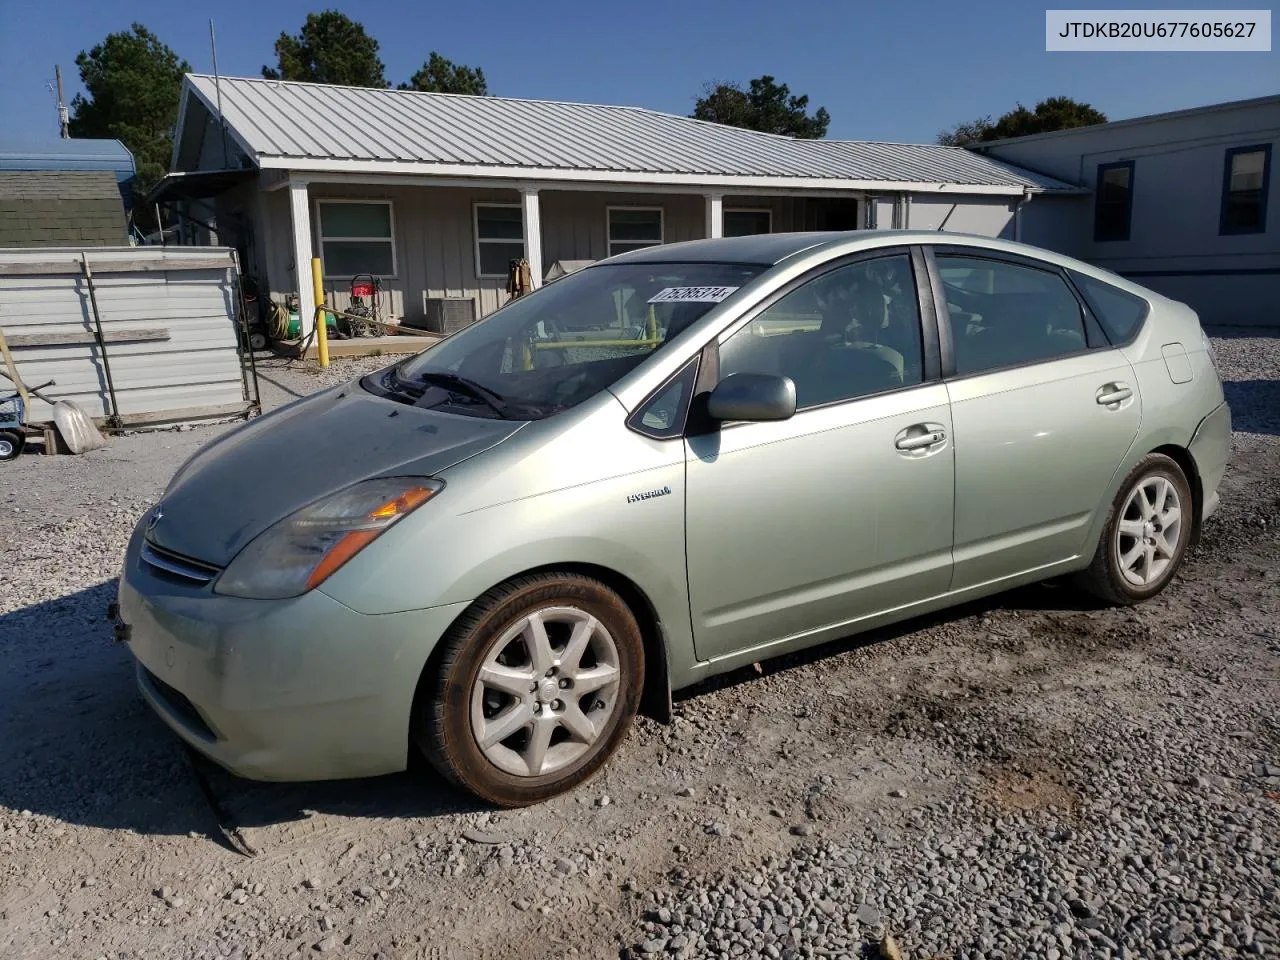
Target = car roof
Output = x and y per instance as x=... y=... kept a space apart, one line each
x=762 y=248
x=770 y=249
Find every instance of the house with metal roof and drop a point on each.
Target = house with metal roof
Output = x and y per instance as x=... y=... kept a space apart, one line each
x=436 y=194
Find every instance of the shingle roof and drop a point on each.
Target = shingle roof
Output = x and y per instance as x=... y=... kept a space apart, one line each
x=316 y=126
x=59 y=185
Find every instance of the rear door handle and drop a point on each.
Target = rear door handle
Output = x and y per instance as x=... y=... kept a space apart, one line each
x=919 y=441
x=1113 y=393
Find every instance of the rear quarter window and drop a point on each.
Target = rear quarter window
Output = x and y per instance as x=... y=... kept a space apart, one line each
x=1120 y=313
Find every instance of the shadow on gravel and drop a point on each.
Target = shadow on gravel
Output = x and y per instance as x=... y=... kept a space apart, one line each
x=1037 y=598
x=1255 y=405
x=77 y=743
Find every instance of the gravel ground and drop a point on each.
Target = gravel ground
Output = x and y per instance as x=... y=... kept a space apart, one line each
x=1030 y=776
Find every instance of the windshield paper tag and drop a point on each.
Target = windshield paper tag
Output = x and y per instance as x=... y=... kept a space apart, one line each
x=691 y=294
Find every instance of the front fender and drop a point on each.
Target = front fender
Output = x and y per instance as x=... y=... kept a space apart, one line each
x=454 y=557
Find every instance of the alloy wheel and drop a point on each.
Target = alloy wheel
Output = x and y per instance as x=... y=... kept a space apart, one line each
x=1149 y=531
x=545 y=691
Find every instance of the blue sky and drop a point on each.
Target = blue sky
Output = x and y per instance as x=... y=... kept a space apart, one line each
x=890 y=71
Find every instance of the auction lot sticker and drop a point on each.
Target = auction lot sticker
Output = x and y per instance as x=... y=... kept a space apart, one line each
x=691 y=294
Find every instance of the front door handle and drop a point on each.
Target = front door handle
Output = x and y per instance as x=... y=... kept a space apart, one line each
x=1113 y=393
x=919 y=441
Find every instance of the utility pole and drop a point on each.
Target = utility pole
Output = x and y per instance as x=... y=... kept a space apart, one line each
x=63 y=128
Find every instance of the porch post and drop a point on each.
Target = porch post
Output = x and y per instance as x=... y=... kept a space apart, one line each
x=715 y=215
x=300 y=214
x=531 y=217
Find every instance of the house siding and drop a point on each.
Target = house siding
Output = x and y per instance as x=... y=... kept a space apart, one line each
x=434 y=231
x=1174 y=244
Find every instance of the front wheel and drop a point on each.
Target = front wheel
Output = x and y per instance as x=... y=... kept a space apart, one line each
x=1146 y=536
x=537 y=685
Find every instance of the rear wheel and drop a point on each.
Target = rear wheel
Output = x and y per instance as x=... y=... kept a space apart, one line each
x=1146 y=536
x=11 y=444
x=538 y=684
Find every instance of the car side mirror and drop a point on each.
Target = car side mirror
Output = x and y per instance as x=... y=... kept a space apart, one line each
x=752 y=397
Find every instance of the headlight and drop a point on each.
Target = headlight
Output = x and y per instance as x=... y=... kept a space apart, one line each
x=305 y=548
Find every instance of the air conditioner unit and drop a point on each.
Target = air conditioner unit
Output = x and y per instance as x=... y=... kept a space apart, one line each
x=445 y=314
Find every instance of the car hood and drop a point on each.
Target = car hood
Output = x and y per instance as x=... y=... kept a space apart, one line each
x=254 y=476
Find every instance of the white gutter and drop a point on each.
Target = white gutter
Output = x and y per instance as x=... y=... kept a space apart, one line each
x=400 y=172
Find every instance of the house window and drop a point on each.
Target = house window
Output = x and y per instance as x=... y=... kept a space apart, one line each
x=356 y=237
x=746 y=223
x=1245 y=180
x=633 y=228
x=499 y=238
x=1113 y=201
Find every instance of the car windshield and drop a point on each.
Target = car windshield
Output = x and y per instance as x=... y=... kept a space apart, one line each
x=555 y=348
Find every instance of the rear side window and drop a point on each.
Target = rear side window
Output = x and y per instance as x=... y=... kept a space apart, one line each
x=1006 y=314
x=1119 y=312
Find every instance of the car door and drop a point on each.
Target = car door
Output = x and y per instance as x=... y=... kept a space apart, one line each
x=1043 y=411
x=844 y=510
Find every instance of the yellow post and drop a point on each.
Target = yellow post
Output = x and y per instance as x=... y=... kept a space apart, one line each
x=322 y=315
x=651 y=330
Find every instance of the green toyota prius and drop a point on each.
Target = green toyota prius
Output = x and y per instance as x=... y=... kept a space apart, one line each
x=664 y=466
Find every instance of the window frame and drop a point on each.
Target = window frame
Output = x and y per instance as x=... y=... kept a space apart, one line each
x=1103 y=168
x=1095 y=336
x=768 y=211
x=477 y=239
x=391 y=226
x=928 y=319
x=1228 y=157
x=608 y=225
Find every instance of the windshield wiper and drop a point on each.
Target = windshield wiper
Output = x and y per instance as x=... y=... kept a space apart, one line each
x=451 y=381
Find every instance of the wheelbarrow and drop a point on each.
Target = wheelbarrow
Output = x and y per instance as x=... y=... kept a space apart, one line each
x=13 y=424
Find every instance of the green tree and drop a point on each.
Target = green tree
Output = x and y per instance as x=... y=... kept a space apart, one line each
x=766 y=105
x=1055 y=113
x=440 y=75
x=132 y=82
x=330 y=48
x=964 y=133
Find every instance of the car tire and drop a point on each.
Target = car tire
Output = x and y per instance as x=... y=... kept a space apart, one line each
x=11 y=444
x=1138 y=555
x=536 y=685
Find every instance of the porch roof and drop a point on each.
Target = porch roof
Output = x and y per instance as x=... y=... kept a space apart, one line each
x=320 y=128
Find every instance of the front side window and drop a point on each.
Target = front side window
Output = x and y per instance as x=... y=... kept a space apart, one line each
x=747 y=223
x=634 y=228
x=565 y=342
x=499 y=238
x=1005 y=314
x=1244 y=190
x=356 y=237
x=848 y=333
x=1113 y=202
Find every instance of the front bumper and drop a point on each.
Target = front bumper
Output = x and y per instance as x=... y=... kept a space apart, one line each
x=300 y=689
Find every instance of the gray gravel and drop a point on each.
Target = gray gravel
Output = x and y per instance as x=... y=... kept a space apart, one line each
x=1028 y=777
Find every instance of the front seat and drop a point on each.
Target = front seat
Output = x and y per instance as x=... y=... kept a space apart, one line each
x=839 y=369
